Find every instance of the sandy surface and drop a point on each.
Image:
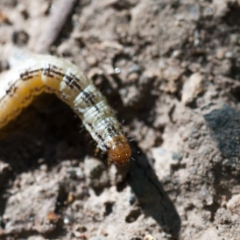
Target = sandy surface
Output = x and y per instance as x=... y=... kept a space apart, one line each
x=178 y=98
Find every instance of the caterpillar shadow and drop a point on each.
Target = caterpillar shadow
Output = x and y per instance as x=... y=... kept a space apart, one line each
x=151 y=195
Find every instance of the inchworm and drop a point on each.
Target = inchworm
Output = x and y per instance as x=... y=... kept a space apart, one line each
x=43 y=73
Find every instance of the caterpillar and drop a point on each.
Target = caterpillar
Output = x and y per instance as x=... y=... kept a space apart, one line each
x=45 y=73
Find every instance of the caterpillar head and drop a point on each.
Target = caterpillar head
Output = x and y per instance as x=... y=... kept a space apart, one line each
x=119 y=154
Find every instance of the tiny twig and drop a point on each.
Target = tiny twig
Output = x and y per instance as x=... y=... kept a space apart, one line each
x=58 y=17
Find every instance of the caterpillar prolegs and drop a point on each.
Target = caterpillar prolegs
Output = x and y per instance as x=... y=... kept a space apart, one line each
x=43 y=73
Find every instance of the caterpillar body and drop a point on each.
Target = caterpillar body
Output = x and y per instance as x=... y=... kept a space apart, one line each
x=44 y=73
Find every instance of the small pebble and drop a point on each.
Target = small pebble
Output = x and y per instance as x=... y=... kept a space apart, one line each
x=117 y=70
x=91 y=60
x=228 y=54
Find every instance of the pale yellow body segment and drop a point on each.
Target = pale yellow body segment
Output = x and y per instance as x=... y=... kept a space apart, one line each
x=43 y=73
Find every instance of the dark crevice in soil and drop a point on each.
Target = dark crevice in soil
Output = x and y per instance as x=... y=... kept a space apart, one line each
x=232 y=15
x=24 y=234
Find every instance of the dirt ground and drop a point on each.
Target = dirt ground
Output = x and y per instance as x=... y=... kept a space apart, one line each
x=177 y=96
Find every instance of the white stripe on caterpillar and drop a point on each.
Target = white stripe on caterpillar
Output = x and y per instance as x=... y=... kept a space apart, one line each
x=43 y=73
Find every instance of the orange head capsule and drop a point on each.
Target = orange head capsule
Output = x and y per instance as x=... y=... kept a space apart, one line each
x=119 y=154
